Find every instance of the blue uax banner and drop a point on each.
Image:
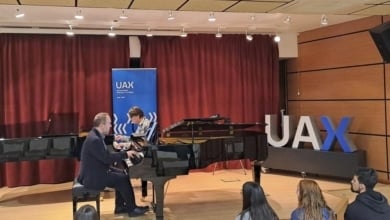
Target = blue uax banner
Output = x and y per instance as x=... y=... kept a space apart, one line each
x=133 y=87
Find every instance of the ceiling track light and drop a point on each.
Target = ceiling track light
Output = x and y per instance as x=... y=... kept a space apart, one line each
x=218 y=34
x=183 y=33
x=324 y=20
x=287 y=20
x=70 y=31
x=19 y=14
x=170 y=16
x=111 y=33
x=78 y=15
x=149 y=33
x=123 y=15
x=212 y=17
x=277 y=38
x=248 y=36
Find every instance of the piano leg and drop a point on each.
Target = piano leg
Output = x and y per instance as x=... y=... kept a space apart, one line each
x=159 y=186
x=256 y=171
x=144 y=188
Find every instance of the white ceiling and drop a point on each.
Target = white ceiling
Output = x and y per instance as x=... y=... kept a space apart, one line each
x=233 y=16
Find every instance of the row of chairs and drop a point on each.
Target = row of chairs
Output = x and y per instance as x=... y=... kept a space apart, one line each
x=37 y=148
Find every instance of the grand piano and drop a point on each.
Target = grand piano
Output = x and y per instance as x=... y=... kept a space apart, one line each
x=195 y=143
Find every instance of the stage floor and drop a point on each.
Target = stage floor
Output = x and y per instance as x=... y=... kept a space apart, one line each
x=199 y=195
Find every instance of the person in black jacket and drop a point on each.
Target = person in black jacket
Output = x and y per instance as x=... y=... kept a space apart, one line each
x=368 y=204
x=96 y=171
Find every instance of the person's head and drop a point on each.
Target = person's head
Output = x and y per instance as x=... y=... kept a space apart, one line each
x=252 y=193
x=255 y=201
x=310 y=198
x=364 y=179
x=102 y=122
x=309 y=192
x=136 y=114
x=87 y=212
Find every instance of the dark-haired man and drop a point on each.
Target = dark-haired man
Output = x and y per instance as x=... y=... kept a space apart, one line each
x=138 y=118
x=368 y=204
x=96 y=171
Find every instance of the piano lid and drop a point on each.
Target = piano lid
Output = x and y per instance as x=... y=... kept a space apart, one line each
x=206 y=127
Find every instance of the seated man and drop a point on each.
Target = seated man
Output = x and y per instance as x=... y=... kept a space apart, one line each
x=96 y=171
x=137 y=117
x=368 y=204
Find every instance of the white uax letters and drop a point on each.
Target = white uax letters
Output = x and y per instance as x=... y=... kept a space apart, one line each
x=307 y=131
x=125 y=85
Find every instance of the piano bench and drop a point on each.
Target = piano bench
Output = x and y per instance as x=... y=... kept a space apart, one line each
x=82 y=194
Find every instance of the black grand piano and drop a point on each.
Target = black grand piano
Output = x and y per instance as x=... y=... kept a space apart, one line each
x=195 y=143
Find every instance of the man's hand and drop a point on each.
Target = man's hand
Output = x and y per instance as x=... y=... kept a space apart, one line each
x=118 y=137
x=132 y=153
x=121 y=145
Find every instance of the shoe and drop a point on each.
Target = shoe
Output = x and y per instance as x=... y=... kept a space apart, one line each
x=137 y=212
x=123 y=209
x=143 y=207
x=120 y=210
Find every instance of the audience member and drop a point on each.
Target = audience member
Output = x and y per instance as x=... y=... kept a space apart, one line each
x=86 y=212
x=368 y=204
x=254 y=204
x=96 y=171
x=311 y=203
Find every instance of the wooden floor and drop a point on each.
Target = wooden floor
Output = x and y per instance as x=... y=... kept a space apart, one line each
x=199 y=195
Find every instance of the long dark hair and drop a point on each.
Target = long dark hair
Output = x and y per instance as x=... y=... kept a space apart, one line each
x=255 y=202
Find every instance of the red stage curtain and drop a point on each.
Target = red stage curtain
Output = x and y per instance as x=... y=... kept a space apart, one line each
x=201 y=75
x=49 y=171
x=43 y=74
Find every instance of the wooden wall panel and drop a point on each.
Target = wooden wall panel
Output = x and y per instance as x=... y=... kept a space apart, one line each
x=341 y=29
x=348 y=50
x=383 y=177
x=340 y=72
x=387 y=81
x=368 y=116
x=345 y=83
x=388 y=116
x=375 y=147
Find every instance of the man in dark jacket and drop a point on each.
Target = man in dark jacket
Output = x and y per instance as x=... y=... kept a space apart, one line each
x=368 y=204
x=96 y=171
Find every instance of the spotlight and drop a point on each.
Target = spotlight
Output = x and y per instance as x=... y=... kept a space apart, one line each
x=78 y=15
x=183 y=34
x=287 y=20
x=70 y=31
x=218 y=34
x=123 y=15
x=149 y=33
x=277 y=38
x=248 y=36
x=212 y=17
x=111 y=33
x=324 y=20
x=19 y=14
x=170 y=16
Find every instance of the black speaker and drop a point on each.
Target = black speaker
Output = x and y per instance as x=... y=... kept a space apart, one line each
x=135 y=62
x=381 y=37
